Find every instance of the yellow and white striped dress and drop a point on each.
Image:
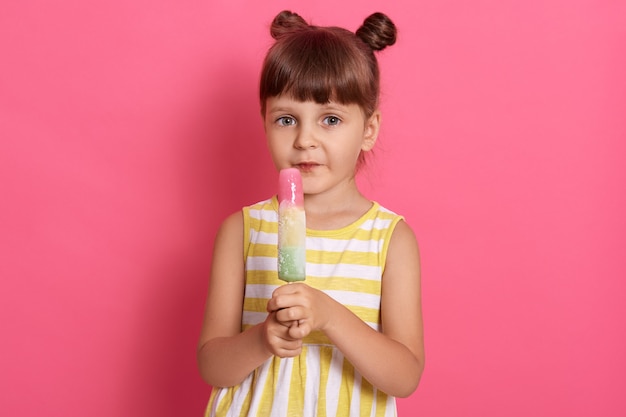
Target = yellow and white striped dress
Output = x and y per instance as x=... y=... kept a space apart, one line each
x=347 y=264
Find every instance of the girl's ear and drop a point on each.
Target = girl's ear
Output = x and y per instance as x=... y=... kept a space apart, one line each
x=370 y=134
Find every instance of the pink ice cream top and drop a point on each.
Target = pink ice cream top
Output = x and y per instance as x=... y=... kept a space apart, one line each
x=290 y=186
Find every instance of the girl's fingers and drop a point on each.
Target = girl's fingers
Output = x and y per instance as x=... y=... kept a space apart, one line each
x=281 y=301
x=286 y=296
x=299 y=329
x=289 y=314
x=288 y=347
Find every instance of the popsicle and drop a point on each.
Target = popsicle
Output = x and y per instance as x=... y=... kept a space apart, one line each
x=291 y=227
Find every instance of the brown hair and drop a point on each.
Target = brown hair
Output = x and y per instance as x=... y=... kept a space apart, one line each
x=325 y=63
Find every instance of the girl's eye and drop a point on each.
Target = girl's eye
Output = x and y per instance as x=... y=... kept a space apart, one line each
x=286 y=121
x=332 y=120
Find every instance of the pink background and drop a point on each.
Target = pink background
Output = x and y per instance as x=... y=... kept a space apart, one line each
x=129 y=129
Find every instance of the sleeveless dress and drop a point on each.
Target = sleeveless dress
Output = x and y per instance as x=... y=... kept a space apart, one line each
x=347 y=264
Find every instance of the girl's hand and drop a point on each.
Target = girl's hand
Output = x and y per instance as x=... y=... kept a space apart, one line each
x=300 y=308
x=278 y=340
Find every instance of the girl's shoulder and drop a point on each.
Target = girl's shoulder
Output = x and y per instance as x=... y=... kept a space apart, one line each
x=380 y=217
x=265 y=210
x=382 y=211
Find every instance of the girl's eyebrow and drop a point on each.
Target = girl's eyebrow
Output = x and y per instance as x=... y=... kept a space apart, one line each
x=340 y=108
x=281 y=108
x=278 y=110
x=330 y=106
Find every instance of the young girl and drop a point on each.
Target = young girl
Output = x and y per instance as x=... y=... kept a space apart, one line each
x=349 y=339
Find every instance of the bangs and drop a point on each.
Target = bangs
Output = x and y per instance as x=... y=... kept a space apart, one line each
x=317 y=66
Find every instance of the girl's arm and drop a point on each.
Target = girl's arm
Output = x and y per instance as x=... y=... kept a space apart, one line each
x=393 y=360
x=226 y=356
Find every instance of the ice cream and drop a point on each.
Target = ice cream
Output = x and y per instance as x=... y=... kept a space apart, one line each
x=291 y=227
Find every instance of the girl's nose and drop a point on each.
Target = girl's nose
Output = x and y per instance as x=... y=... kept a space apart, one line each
x=305 y=139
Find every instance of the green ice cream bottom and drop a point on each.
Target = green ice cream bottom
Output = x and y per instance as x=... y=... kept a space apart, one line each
x=292 y=263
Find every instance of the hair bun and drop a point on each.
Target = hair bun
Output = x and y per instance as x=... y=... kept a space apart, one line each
x=287 y=22
x=378 y=31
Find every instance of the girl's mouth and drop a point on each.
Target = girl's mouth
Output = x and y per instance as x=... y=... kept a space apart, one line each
x=307 y=166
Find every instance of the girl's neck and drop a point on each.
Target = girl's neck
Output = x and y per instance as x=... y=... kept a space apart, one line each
x=331 y=211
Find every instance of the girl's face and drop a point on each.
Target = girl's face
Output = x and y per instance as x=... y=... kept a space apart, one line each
x=322 y=140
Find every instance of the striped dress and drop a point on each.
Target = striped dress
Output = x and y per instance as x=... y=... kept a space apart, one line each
x=346 y=264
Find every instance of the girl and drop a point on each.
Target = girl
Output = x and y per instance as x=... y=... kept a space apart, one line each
x=349 y=339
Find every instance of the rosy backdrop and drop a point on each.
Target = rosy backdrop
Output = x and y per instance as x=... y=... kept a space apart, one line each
x=130 y=129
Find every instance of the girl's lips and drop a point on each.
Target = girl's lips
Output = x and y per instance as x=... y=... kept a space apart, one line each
x=307 y=166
